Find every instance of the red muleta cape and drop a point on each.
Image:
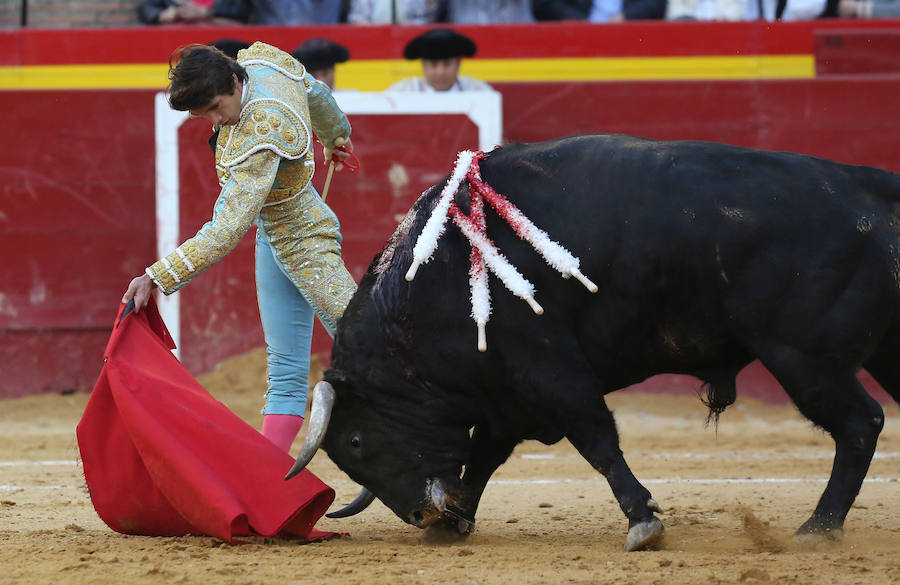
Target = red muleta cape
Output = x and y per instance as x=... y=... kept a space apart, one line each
x=162 y=457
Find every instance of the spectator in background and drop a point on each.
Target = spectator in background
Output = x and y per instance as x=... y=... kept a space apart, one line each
x=319 y=57
x=397 y=11
x=869 y=8
x=784 y=9
x=621 y=10
x=441 y=51
x=707 y=10
x=489 y=11
x=218 y=12
x=787 y=10
x=297 y=12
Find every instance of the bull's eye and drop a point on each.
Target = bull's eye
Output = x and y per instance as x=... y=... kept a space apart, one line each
x=354 y=441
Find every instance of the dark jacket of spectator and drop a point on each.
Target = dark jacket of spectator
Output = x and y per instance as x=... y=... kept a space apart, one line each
x=561 y=9
x=644 y=9
x=298 y=12
x=236 y=10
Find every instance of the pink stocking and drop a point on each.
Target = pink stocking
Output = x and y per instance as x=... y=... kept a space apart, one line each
x=281 y=429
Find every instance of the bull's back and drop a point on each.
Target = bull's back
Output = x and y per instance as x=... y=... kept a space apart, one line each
x=697 y=238
x=601 y=194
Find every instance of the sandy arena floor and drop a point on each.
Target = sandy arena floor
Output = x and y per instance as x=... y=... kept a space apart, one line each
x=732 y=499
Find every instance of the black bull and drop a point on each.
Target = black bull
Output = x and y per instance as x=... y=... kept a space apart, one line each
x=707 y=257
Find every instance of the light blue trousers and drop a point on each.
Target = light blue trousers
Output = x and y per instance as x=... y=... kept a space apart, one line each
x=287 y=321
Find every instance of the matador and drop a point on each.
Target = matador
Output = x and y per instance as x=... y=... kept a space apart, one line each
x=264 y=162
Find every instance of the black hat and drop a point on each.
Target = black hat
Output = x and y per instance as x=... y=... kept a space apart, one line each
x=316 y=54
x=439 y=43
x=230 y=46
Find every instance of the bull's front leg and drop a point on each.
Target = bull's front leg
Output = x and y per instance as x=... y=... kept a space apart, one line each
x=486 y=455
x=595 y=436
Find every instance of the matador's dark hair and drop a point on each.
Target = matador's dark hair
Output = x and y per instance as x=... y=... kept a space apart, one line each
x=198 y=73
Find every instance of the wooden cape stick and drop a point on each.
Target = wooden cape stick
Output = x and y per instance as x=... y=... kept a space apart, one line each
x=327 y=181
x=338 y=142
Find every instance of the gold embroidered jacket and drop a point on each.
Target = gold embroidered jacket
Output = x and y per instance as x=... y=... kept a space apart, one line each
x=265 y=163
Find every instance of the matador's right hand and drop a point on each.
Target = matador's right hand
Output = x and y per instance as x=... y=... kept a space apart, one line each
x=139 y=289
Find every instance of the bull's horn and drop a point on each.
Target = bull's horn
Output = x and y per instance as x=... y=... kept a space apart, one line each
x=361 y=502
x=320 y=413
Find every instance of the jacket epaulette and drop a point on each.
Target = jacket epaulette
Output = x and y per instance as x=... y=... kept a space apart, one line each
x=268 y=124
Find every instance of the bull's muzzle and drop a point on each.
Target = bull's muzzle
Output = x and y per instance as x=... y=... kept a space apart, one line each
x=320 y=413
x=435 y=503
x=438 y=505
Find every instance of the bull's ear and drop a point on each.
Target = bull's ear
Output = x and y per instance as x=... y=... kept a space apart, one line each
x=335 y=377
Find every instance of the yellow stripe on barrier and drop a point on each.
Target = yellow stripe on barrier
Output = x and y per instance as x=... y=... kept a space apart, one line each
x=643 y=68
x=126 y=76
x=377 y=75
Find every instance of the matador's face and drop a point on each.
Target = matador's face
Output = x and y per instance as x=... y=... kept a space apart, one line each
x=224 y=109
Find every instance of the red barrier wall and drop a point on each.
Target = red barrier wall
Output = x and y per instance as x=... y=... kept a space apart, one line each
x=77 y=202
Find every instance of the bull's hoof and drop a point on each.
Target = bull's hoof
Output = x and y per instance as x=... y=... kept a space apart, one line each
x=644 y=534
x=819 y=536
x=448 y=531
x=815 y=531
